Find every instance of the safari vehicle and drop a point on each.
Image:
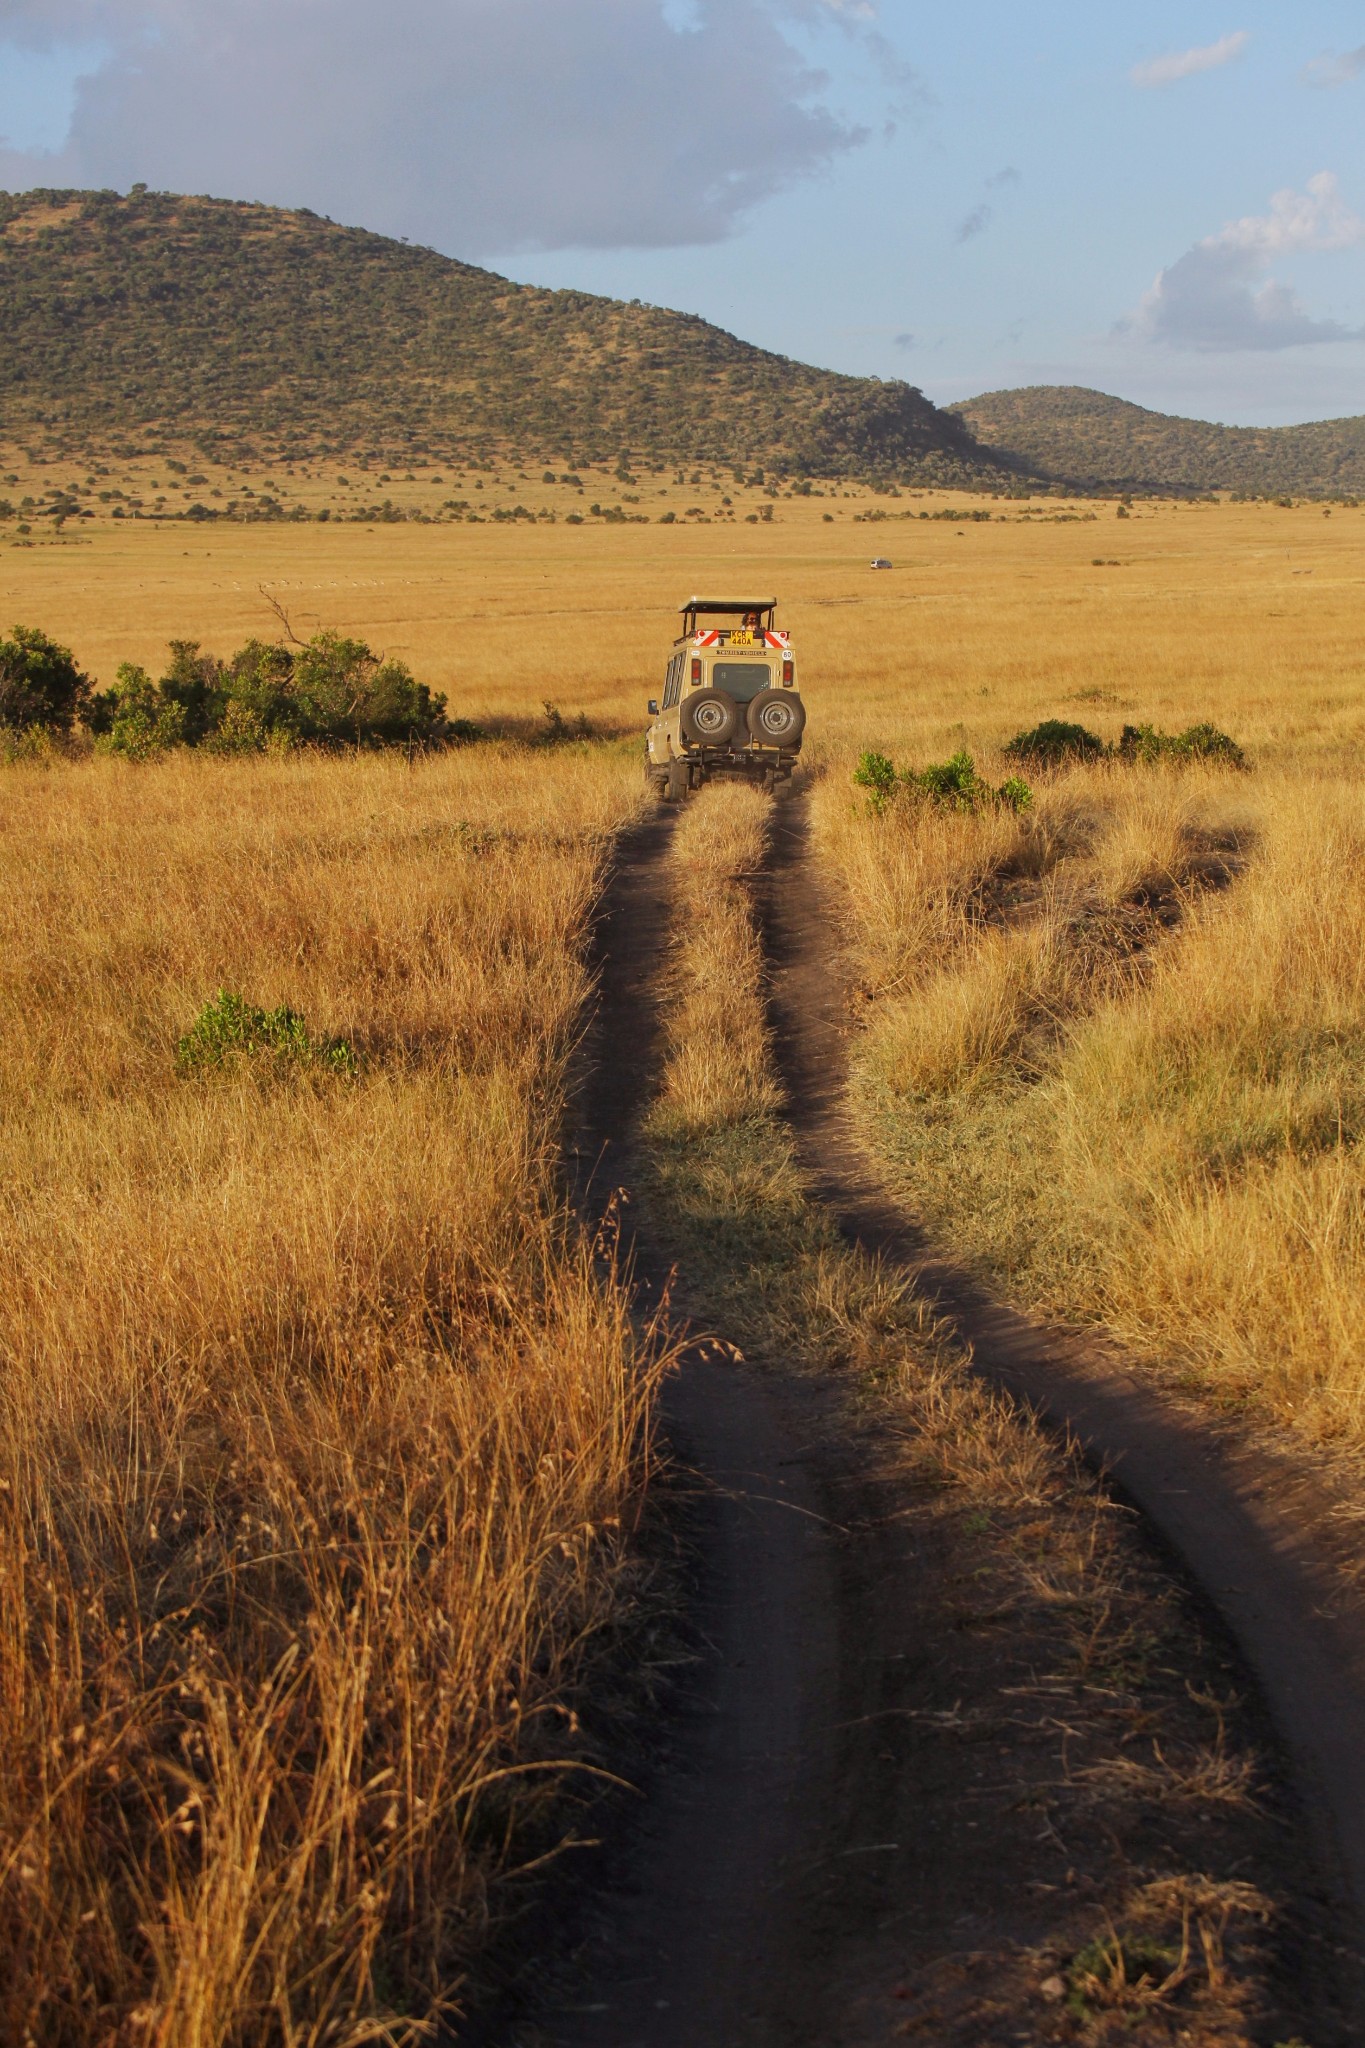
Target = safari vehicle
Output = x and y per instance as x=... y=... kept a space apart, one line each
x=731 y=704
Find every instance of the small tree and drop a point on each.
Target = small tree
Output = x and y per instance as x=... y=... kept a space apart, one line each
x=40 y=683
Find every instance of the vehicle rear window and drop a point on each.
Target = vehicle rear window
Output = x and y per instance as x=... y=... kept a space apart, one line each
x=740 y=679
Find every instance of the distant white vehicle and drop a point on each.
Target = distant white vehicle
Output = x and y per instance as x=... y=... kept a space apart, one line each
x=880 y=562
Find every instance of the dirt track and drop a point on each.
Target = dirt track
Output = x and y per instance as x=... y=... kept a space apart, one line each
x=802 y=1844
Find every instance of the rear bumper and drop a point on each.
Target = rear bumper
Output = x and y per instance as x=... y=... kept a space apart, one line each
x=742 y=760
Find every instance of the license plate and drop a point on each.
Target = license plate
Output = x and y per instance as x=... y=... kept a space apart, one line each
x=741 y=640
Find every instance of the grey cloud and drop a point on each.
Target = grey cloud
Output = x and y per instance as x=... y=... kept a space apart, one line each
x=1336 y=69
x=1213 y=299
x=477 y=125
x=979 y=219
x=903 y=341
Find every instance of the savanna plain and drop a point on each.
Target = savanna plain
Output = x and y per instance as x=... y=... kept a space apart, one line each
x=328 y=1423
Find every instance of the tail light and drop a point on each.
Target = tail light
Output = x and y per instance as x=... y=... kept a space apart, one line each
x=696 y=668
x=788 y=671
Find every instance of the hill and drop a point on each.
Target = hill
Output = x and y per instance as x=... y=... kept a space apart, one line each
x=248 y=331
x=1088 y=439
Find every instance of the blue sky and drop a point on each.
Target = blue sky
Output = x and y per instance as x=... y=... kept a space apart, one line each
x=1165 y=201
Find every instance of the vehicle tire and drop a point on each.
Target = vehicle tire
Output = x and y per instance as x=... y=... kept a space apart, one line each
x=677 y=782
x=709 y=718
x=776 y=718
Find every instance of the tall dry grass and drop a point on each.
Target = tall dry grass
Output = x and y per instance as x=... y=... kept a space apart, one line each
x=320 y=1425
x=1117 y=1053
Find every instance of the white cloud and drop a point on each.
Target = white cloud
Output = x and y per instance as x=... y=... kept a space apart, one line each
x=1337 y=69
x=1212 y=298
x=1185 y=63
x=482 y=126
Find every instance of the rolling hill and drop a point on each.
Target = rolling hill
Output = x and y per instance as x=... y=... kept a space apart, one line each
x=1091 y=440
x=247 y=331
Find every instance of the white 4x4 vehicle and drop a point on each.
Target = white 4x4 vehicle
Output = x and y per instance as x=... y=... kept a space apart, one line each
x=730 y=703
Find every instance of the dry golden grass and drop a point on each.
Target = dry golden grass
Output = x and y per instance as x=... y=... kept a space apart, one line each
x=316 y=1423
x=1243 y=614
x=1124 y=1066
x=320 y=1426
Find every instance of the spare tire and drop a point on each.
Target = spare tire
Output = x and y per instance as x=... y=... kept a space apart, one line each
x=776 y=718
x=709 y=718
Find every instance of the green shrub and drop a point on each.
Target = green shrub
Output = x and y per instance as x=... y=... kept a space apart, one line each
x=242 y=730
x=1204 y=742
x=1054 y=741
x=1144 y=745
x=954 y=783
x=195 y=682
x=229 y=1028
x=333 y=689
x=876 y=773
x=40 y=684
x=136 y=720
x=330 y=691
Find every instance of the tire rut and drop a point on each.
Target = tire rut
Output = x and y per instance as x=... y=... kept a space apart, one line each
x=688 y=1942
x=1255 y=1529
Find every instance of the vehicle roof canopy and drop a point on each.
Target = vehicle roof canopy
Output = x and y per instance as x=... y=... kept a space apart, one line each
x=729 y=604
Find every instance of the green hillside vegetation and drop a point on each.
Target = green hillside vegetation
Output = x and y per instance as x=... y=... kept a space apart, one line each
x=251 y=333
x=1092 y=441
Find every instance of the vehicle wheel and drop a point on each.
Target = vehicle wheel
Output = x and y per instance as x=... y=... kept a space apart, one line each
x=709 y=718
x=776 y=718
x=677 y=781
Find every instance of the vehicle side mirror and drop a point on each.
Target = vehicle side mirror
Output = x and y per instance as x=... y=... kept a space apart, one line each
x=653 y=707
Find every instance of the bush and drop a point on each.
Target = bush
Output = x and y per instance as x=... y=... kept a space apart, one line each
x=242 y=730
x=464 y=732
x=556 y=730
x=876 y=773
x=135 y=719
x=954 y=783
x=330 y=691
x=229 y=1028
x=1146 y=744
x=333 y=689
x=1054 y=741
x=40 y=684
x=1015 y=793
